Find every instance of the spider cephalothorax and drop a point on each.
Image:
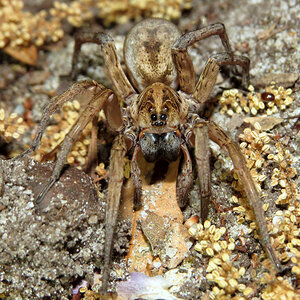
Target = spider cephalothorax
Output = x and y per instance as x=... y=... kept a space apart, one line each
x=159 y=118
x=158 y=109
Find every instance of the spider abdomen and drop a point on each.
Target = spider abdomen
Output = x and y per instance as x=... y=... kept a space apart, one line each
x=147 y=53
x=160 y=146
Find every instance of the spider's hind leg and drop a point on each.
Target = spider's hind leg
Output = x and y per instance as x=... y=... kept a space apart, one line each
x=181 y=58
x=184 y=65
x=122 y=85
x=208 y=77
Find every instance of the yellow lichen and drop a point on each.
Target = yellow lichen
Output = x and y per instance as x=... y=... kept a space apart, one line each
x=20 y=28
x=229 y=281
x=211 y=242
x=277 y=288
x=121 y=11
x=271 y=165
x=77 y=12
x=234 y=101
x=12 y=126
x=55 y=134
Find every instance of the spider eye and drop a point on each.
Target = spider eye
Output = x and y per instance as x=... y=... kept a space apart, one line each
x=163 y=117
x=153 y=117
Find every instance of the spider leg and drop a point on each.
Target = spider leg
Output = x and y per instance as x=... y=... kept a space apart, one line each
x=116 y=171
x=185 y=178
x=208 y=77
x=136 y=178
x=202 y=154
x=116 y=73
x=55 y=103
x=217 y=135
x=92 y=160
x=100 y=97
x=182 y=60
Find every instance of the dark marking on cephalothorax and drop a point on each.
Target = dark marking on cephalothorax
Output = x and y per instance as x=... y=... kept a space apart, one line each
x=150 y=98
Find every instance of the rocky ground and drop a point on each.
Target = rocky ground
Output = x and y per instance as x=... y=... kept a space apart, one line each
x=47 y=250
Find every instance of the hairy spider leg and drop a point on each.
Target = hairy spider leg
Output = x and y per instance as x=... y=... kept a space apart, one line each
x=99 y=98
x=136 y=178
x=116 y=175
x=182 y=61
x=208 y=77
x=217 y=135
x=185 y=177
x=202 y=90
x=202 y=155
x=55 y=103
x=121 y=83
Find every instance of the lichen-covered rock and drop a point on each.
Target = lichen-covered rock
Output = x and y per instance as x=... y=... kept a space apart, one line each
x=46 y=247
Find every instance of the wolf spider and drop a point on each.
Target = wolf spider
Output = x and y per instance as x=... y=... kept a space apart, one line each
x=160 y=116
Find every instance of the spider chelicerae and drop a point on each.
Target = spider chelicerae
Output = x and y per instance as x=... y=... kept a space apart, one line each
x=159 y=118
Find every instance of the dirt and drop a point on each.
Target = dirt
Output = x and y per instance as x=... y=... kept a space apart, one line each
x=47 y=249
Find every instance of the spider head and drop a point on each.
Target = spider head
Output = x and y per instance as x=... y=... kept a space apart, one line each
x=158 y=108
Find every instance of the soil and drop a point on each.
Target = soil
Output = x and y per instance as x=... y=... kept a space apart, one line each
x=46 y=250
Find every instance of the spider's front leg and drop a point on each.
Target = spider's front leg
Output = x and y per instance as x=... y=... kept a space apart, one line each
x=217 y=135
x=116 y=171
x=136 y=178
x=202 y=155
x=55 y=103
x=100 y=96
x=185 y=178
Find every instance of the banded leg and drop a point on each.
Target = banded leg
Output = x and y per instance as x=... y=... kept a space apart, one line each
x=202 y=155
x=217 y=135
x=182 y=60
x=136 y=178
x=185 y=178
x=101 y=94
x=116 y=171
x=117 y=76
x=57 y=102
x=209 y=75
